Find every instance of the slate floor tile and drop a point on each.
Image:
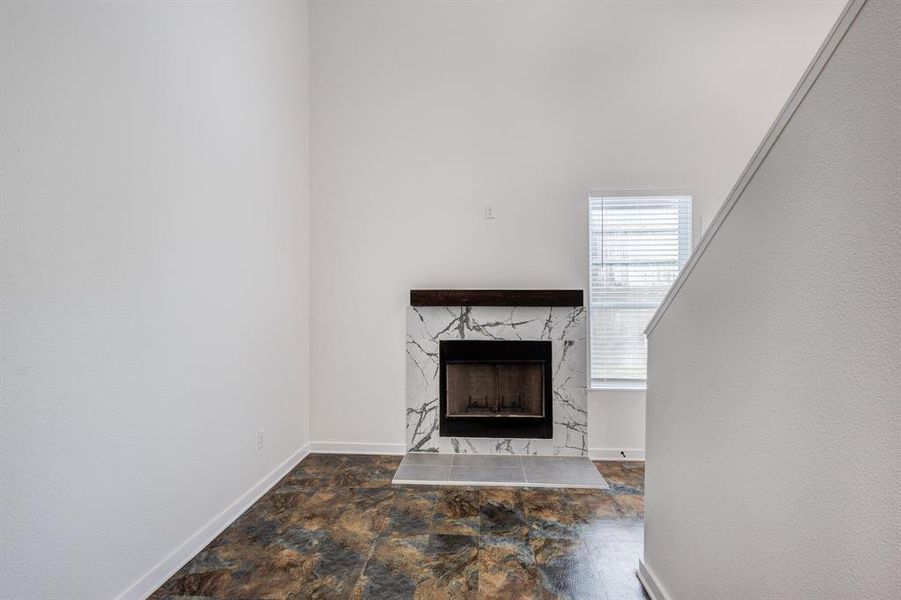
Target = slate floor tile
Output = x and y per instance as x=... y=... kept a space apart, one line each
x=335 y=527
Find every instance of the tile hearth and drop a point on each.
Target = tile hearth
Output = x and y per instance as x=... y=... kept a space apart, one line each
x=430 y=468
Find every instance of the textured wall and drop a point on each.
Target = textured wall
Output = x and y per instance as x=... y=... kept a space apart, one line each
x=155 y=271
x=423 y=112
x=774 y=404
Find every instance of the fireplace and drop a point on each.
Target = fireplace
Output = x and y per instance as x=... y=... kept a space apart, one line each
x=498 y=389
x=471 y=337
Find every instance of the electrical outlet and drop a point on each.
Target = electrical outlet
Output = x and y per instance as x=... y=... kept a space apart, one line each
x=261 y=439
x=489 y=211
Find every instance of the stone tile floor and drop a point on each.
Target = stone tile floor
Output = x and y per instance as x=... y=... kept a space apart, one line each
x=335 y=527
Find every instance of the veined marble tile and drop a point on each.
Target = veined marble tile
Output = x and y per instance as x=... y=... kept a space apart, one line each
x=572 y=402
x=527 y=323
x=570 y=422
x=422 y=362
x=491 y=322
x=524 y=446
x=570 y=368
x=422 y=421
x=500 y=323
x=433 y=323
x=464 y=445
x=569 y=441
x=417 y=395
x=564 y=327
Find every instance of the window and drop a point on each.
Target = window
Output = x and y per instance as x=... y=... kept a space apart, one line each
x=637 y=246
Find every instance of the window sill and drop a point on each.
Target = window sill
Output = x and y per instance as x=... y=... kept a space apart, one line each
x=616 y=387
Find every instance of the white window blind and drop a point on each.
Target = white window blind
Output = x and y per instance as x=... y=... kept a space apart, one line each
x=638 y=244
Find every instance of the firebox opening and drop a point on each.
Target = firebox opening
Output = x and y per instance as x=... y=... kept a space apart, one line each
x=495 y=388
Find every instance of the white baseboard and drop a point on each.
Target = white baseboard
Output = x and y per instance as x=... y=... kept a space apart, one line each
x=616 y=453
x=159 y=574
x=650 y=583
x=355 y=448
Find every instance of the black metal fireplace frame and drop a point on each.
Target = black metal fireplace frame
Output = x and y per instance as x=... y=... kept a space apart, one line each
x=496 y=351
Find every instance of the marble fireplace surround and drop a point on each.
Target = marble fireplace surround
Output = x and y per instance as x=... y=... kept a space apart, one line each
x=564 y=327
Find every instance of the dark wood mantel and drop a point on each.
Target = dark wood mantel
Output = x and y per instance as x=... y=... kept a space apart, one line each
x=496 y=298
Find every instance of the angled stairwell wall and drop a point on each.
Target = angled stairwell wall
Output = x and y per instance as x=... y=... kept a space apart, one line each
x=774 y=397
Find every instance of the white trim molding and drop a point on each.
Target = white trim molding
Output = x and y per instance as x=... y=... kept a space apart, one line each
x=625 y=454
x=650 y=583
x=163 y=570
x=355 y=448
x=816 y=67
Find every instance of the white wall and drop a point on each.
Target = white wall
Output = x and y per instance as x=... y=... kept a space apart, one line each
x=616 y=424
x=774 y=404
x=424 y=112
x=155 y=255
